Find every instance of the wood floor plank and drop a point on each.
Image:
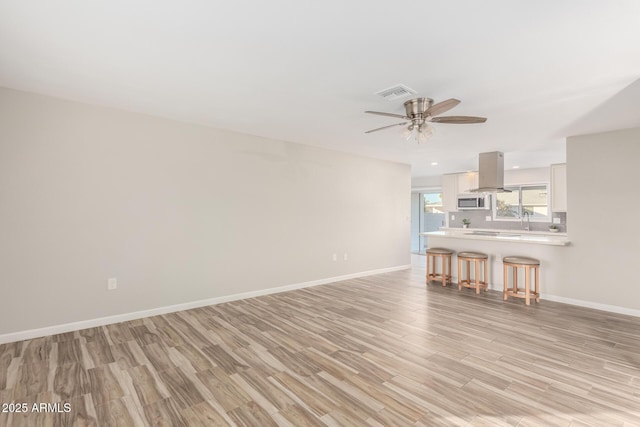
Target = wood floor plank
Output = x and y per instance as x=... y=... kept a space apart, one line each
x=69 y=351
x=268 y=390
x=71 y=380
x=259 y=359
x=100 y=351
x=194 y=335
x=182 y=389
x=224 y=390
x=164 y=413
x=392 y=401
x=171 y=336
x=158 y=356
x=6 y=357
x=104 y=385
x=226 y=333
x=37 y=350
x=118 y=333
x=145 y=385
x=224 y=359
x=82 y=413
x=366 y=368
x=92 y=334
x=251 y=414
x=66 y=336
x=297 y=362
x=298 y=416
x=143 y=335
x=30 y=419
x=204 y=415
x=195 y=357
x=303 y=393
x=127 y=354
x=32 y=379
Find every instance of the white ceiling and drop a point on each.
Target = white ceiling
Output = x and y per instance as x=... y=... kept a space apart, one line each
x=304 y=71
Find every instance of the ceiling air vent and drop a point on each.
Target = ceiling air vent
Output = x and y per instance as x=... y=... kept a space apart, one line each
x=396 y=92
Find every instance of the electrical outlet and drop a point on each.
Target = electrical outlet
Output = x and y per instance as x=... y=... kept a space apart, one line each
x=453 y=217
x=498 y=257
x=112 y=284
x=487 y=218
x=335 y=257
x=556 y=220
x=345 y=256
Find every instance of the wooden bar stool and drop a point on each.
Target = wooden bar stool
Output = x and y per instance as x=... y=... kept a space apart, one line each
x=477 y=258
x=529 y=265
x=445 y=256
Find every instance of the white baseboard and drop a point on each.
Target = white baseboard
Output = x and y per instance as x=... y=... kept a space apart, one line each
x=594 y=305
x=580 y=303
x=92 y=323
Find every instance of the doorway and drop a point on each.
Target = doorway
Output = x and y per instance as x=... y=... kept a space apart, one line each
x=427 y=214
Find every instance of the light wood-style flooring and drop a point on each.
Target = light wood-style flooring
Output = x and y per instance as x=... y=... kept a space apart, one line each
x=383 y=350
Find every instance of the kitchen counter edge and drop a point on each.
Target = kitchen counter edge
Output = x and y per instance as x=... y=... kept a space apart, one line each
x=556 y=239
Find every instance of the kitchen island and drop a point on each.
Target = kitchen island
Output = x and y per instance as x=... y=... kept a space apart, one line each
x=547 y=247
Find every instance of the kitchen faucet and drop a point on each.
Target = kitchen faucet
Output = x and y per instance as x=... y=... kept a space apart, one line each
x=526 y=213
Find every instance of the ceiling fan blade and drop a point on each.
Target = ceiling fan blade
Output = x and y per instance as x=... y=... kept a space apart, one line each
x=385 y=127
x=399 y=116
x=442 y=107
x=458 y=119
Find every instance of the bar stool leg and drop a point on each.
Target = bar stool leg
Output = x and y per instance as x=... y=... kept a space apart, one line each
x=515 y=280
x=505 y=282
x=459 y=275
x=468 y=272
x=486 y=274
x=477 y=263
x=527 y=285
x=428 y=258
x=536 y=271
x=444 y=270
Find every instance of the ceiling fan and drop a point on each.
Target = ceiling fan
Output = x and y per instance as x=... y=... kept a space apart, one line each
x=420 y=112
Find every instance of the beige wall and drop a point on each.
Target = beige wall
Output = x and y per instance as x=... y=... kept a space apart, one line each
x=601 y=265
x=176 y=212
x=421 y=182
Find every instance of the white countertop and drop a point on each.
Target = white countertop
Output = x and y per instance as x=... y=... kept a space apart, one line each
x=515 y=236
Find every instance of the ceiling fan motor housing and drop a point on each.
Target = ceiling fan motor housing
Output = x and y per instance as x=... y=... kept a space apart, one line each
x=416 y=107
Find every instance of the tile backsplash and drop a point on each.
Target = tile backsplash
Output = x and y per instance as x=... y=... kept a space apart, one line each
x=478 y=220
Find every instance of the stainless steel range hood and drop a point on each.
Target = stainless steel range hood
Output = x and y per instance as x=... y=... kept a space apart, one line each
x=491 y=173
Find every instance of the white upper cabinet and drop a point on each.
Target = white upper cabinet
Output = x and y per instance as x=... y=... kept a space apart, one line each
x=558 y=183
x=467 y=181
x=454 y=184
x=450 y=192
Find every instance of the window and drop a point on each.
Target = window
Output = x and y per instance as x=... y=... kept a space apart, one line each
x=525 y=199
x=433 y=203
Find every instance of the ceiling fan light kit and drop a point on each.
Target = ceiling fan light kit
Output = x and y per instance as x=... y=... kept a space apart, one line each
x=420 y=133
x=420 y=112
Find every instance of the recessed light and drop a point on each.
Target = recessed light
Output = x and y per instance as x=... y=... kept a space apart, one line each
x=516 y=167
x=434 y=163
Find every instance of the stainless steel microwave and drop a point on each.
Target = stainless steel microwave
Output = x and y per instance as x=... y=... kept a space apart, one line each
x=474 y=201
